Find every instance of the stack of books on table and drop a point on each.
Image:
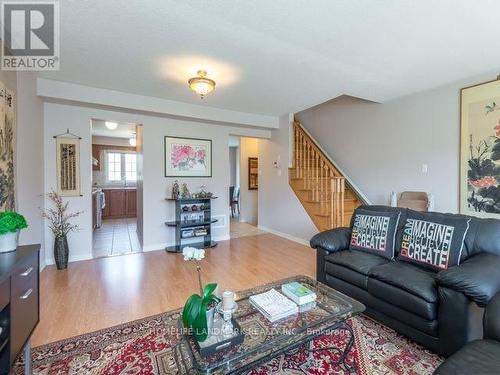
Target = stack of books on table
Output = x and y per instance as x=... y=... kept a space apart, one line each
x=298 y=293
x=274 y=305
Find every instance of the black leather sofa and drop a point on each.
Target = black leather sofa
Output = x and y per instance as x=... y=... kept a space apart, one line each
x=440 y=310
x=480 y=356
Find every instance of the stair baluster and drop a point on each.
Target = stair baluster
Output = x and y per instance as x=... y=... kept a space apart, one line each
x=319 y=185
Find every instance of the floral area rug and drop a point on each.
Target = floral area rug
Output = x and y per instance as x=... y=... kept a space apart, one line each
x=146 y=346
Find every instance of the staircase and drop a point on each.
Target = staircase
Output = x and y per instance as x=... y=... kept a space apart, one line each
x=322 y=189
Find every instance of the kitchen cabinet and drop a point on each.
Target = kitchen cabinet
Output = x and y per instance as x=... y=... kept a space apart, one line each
x=117 y=203
x=120 y=203
x=131 y=196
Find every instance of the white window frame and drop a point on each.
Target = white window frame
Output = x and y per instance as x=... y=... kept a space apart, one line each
x=123 y=181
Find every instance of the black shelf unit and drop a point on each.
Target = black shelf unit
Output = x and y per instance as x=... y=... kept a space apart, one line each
x=193 y=220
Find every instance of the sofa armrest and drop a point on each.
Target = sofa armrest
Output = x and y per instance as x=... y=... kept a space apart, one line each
x=332 y=240
x=478 y=278
x=492 y=319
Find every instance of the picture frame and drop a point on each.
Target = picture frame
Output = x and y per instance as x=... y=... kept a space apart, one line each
x=253 y=173
x=480 y=149
x=68 y=166
x=7 y=148
x=187 y=157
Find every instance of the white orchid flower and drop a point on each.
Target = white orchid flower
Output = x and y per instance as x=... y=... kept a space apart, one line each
x=192 y=253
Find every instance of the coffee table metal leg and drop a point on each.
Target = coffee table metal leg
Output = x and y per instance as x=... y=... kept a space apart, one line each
x=345 y=352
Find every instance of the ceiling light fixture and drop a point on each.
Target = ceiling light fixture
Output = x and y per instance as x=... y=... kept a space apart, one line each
x=201 y=85
x=111 y=125
x=132 y=142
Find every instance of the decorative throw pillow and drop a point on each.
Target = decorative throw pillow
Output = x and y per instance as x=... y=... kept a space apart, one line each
x=374 y=232
x=432 y=240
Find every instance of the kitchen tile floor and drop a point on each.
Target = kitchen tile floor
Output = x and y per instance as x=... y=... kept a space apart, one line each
x=115 y=237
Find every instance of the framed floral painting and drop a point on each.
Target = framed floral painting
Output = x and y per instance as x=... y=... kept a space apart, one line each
x=188 y=157
x=480 y=150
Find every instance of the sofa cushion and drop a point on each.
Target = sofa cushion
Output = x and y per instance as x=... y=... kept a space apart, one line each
x=413 y=279
x=356 y=261
x=433 y=240
x=346 y=274
x=394 y=315
x=411 y=288
x=374 y=232
x=477 y=357
x=402 y=220
x=352 y=266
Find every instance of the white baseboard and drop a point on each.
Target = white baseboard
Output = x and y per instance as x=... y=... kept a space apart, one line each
x=75 y=258
x=285 y=235
x=225 y=237
x=154 y=247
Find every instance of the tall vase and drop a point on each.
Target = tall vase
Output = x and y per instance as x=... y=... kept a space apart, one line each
x=61 y=252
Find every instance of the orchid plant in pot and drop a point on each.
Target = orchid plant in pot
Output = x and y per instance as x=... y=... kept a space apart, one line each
x=198 y=312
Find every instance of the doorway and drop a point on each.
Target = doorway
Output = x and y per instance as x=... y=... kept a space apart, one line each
x=116 y=188
x=243 y=191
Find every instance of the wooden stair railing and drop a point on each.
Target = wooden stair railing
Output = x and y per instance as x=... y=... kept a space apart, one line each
x=319 y=185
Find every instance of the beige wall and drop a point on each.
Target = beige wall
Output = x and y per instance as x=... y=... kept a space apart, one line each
x=383 y=147
x=29 y=154
x=155 y=186
x=249 y=148
x=280 y=211
x=233 y=166
x=29 y=163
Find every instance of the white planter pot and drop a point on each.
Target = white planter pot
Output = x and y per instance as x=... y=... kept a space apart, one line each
x=8 y=241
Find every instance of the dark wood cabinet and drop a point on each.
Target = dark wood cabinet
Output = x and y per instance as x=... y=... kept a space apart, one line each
x=120 y=203
x=117 y=203
x=19 y=301
x=131 y=197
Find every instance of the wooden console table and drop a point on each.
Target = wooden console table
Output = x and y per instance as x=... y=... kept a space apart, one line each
x=19 y=304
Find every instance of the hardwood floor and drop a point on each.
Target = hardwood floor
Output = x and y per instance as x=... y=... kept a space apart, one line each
x=100 y=293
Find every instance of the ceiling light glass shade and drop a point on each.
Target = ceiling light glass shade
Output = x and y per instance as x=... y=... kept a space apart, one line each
x=202 y=85
x=111 y=125
x=132 y=142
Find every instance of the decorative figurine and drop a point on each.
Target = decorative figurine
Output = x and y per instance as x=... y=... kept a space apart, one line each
x=175 y=190
x=185 y=192
x=202 y=193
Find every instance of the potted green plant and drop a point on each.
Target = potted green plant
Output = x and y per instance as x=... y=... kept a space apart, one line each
x=10 y=225
x=59 y=223
x=198 y=312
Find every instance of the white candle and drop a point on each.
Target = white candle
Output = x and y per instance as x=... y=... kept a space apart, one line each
x=227 y=300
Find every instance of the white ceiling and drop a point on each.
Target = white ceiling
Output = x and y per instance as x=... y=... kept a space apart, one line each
x=274 y=57
x=124 y=130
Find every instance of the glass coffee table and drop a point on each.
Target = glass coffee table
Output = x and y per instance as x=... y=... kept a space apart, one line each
x=265 y=340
